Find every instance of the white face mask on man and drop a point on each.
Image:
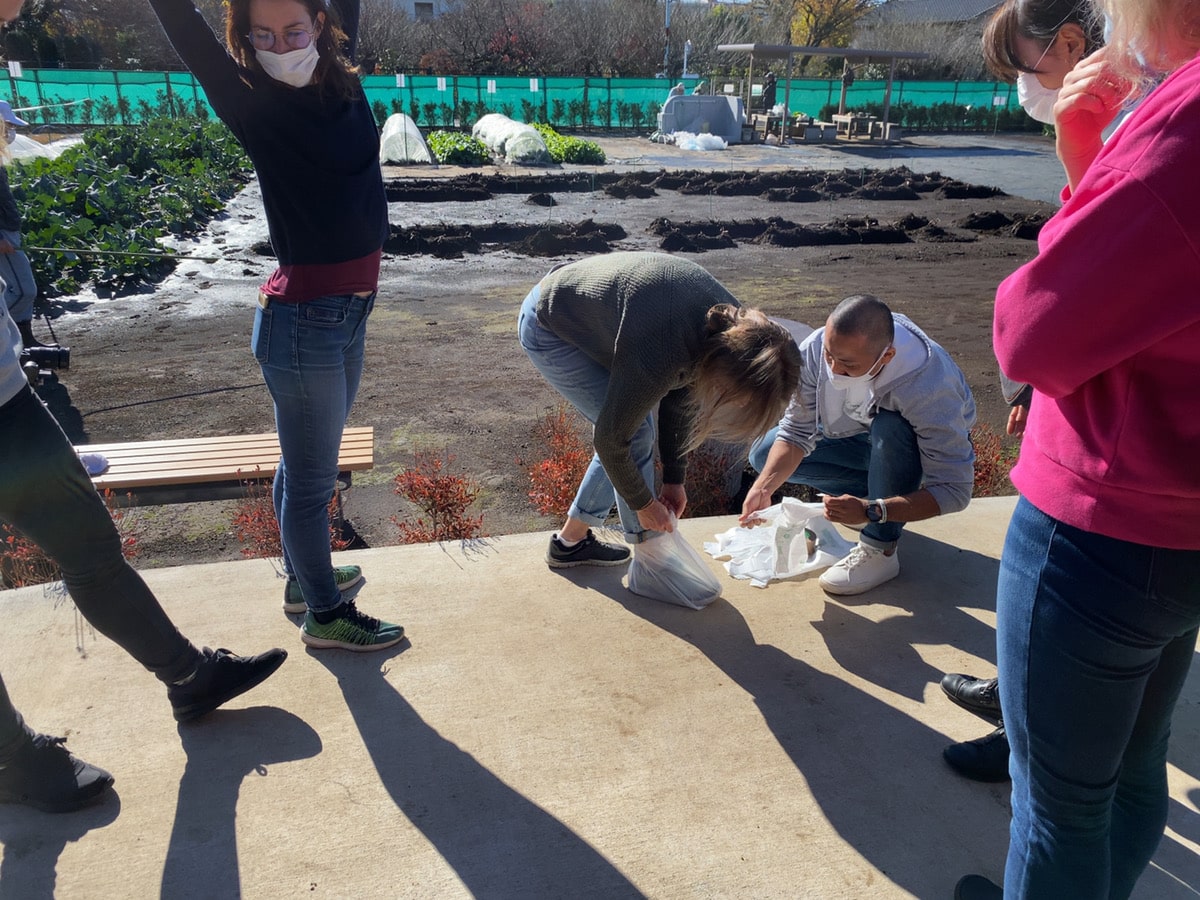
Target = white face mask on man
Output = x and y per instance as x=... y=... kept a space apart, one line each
x=295 y=67
x=850 y=382
x=1037 y=100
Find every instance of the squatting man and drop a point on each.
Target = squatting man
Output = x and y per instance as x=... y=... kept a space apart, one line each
x=880 y=424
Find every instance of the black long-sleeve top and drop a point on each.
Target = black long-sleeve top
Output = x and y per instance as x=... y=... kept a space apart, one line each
x=316 y=156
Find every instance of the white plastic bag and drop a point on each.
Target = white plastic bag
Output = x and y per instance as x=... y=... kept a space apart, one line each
x=667 y=568
x=792 y=539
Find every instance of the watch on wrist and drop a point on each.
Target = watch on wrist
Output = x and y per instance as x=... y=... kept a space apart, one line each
x=877 y=511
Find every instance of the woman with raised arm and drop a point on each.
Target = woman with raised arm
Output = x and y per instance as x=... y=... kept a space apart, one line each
x=284 y=85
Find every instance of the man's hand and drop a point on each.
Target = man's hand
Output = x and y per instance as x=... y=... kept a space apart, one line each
x=758 y=497
x=845 y=509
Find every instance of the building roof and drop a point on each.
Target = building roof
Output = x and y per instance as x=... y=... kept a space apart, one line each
x=930 y=12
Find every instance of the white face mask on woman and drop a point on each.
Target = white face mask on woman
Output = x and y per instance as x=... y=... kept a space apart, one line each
x=1038 y=101
x=295 y=67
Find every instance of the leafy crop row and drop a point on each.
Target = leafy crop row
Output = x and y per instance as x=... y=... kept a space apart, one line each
x=116 y=193
x=453 y=148
x=565 y=149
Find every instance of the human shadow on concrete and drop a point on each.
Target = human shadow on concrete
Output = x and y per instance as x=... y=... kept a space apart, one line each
x=937 y=583
x=222 y=750
x=875 y=772
x=498 y=842
x=33 y=842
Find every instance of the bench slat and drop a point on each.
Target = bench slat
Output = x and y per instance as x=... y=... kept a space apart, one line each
x=219 y=459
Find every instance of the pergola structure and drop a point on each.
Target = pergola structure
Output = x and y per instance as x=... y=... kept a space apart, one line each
x=788 y=51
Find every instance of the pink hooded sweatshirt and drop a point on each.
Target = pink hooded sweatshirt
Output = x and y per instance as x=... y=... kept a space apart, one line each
x=1105 y=324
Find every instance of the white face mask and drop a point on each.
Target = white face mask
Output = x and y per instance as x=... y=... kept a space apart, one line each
x=852 y=382
x=295 y=67
x=1038 y=101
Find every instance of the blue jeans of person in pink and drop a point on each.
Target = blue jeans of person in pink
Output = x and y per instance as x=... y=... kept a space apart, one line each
x=311 y=355
x=1095 y=637
x=583 y=382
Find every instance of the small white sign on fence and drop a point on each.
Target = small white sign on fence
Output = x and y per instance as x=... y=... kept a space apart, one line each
x=401 y=81
x=441 y=83
x=491 y=86
x=533 y=85
x=999 y=100
x=14 y=69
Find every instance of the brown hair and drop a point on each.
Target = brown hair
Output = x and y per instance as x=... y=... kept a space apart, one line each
x=746 y=374
x=1037 y=20
x=335 y=74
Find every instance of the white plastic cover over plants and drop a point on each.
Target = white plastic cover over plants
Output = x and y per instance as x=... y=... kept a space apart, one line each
x=515 y=141
x=401 y=142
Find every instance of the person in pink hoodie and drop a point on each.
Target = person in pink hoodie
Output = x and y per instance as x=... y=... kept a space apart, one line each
x=1098 y=601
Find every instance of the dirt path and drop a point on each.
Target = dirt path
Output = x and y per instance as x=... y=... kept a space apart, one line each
x=443 y=366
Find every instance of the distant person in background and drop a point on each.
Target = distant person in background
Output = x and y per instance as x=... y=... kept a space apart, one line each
x=768 y=92
x=20 y=288
x=295 y=103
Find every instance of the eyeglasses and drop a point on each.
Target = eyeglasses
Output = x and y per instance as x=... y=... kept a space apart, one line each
x=293 y=38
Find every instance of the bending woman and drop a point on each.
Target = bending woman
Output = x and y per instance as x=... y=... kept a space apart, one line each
x=294 y=102
x=621 y=334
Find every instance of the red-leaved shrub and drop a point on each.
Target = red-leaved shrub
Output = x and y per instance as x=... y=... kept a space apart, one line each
x=443 y=497
x=22 y=562
x=993 y=462
x=562 y=456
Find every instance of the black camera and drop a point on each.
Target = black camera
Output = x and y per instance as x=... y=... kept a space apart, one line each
x=47 y=357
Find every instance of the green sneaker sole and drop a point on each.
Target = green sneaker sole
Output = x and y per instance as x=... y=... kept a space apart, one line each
x=387 y=638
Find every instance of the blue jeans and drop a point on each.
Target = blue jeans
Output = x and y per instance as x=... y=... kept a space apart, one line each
x=311 y=355
x=47 y=496
x=20 y=289
x=584 y=384
x=883 y=463
x=1095 y=637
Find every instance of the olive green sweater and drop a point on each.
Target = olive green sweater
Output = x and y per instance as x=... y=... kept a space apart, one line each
x=642 y=317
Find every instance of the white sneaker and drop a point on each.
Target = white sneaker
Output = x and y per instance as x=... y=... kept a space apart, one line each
x=862 y=569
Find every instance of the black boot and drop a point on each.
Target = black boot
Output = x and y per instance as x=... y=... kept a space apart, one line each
x=27 y=338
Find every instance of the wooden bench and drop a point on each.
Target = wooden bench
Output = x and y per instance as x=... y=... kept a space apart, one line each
x=212 y=468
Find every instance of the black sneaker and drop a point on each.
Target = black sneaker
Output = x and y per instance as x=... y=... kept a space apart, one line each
x=220 y=677
x=588 y=552
x=45 y=776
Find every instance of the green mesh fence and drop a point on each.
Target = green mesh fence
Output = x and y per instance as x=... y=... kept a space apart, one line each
x=124 y=97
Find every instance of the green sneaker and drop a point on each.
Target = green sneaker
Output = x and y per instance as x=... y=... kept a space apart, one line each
x=346 y=577
x=352 y=630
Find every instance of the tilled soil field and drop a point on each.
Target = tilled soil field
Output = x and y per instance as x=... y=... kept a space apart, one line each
x=444 y=370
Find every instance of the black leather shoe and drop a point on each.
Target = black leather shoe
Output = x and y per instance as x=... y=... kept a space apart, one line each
x=976 y=887
x=983 y=759
x=980 y=696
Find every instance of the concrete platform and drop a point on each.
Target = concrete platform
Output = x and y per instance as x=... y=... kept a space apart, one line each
x=545 y=734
